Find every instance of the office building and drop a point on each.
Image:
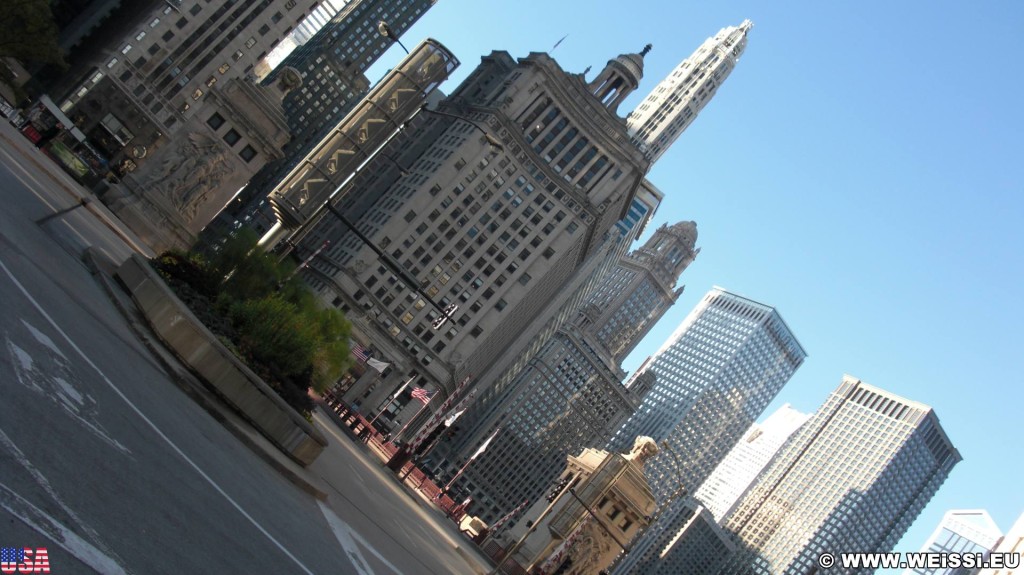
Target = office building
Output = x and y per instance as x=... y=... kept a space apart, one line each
x=493 y=203
x=675 y=102
x=854 y=477
x=570 y=394
x=731 y=479
x=714 y=376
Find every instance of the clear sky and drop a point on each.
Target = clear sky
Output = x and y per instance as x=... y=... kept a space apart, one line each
x=861 y=170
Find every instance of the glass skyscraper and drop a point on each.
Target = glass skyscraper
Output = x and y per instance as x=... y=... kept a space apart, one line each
x=714 y=377
x=854 y=477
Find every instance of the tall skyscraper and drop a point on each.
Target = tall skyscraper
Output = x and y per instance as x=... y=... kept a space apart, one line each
x=752 y=454
x=714 y=376
x=570 y=393
x=675 y=102
x=854 y=477
x=960 y=531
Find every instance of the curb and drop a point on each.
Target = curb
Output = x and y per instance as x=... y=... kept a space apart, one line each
x=188 y=383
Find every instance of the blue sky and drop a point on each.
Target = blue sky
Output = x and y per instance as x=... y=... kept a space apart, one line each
x=860 y=170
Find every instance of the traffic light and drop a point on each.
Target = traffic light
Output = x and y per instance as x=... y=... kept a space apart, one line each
x=448 y=312
x=558 y=487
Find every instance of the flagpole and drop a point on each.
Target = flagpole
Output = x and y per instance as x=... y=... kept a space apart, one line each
x=413 y=418
x=479 y=450
x=393 y=398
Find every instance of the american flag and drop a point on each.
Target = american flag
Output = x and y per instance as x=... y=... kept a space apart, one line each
x=12 y=555
x=422 y=394
x=360 y=352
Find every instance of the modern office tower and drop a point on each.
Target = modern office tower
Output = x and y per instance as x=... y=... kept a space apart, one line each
x=961 y=531
x=1012 y=542
x=714 y=376
x=675 y=102
x=570 y=393
x=854 y=477
x=489 y=206
x=740 y=468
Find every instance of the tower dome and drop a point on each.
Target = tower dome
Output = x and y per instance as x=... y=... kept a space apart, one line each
x=619 y=78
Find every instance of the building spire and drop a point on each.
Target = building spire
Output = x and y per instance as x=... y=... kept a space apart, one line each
x=675 y=102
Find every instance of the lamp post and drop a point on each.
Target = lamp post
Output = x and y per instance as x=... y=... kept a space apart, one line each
x=387 y=32
x=494 y=142
x=540 y=518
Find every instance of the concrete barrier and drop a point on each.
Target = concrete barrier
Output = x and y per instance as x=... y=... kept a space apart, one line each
x=198 y=348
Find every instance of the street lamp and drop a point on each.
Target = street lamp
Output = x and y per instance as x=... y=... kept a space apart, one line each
x=494 y=142
x=384 y=30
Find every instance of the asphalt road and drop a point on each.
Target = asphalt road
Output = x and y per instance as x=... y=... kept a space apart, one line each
x=108 y=465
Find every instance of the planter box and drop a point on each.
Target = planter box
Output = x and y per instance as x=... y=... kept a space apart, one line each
x=199 y=349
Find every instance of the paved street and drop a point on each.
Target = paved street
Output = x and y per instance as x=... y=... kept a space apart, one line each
x=105 y=462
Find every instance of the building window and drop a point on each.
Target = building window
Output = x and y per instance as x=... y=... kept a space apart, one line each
x=154 y=23
x=127 y=48
x=264 y=29
x=232 y=137
x=181 y=23
x=112 y=63
x=167 y=36
x=197 y=94
x=211 y=81
x=250 y=42
x=215 y=121
x=224 y=68
x=248 y=153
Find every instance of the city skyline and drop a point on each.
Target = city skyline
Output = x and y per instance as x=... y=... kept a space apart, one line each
x=821 y=192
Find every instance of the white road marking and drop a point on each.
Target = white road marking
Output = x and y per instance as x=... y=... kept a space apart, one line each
x=79 y=405
x=152 y=425
x=43 y=339
x=64 y=537
x=41 y=480
x=351 y=541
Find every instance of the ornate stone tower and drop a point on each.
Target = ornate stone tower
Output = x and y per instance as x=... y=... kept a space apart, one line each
x=675 y=102
x=640 y=289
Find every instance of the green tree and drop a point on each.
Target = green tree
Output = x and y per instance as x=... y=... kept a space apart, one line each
x=28 y=32
x=273 y=332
